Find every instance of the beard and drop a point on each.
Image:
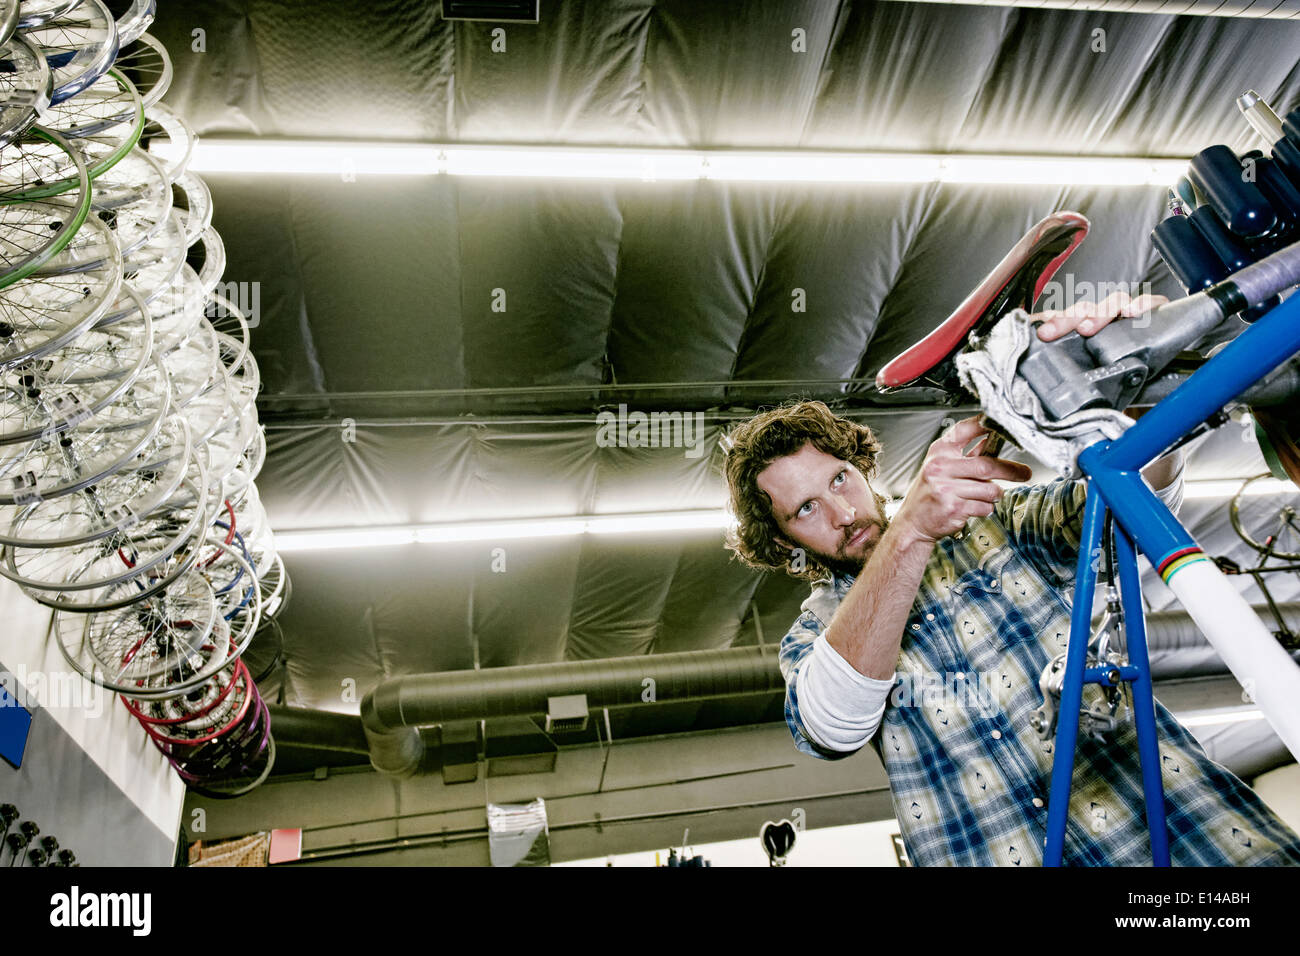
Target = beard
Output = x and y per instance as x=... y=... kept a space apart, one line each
x=841 y=562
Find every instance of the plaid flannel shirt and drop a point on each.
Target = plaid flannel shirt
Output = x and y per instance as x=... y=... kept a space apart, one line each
x=969 y=777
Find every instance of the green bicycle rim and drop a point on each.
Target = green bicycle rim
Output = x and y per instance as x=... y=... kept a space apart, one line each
x=105 y=164
x=78 y=219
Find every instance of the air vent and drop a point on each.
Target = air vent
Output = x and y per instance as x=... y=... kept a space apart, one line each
x=566 y=715
x=506 y=11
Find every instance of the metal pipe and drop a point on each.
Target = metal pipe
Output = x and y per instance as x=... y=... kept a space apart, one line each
x=393 y=710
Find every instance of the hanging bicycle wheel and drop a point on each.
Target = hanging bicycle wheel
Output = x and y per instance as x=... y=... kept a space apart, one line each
x=79 y=45
x=157 y=552
x=168 y=138
x=158 y=261
x=32 y=232
x=112 y=100
x=49 y=395
x=165 y=643
x=177 y=310
x=51 y=168
x=148 y=66
x=34 y=13
x=191 y=705
x=134 y=200
x=8 y=19
x=193 y=201
x=1279 y=527
x=192 y=367
x=41 y=313
x=236 y=785
x=116 y=502
x=25 y=87
x=134 y=21
x=61 y=462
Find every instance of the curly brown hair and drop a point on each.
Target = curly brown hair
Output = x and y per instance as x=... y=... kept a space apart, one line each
x=755 y=444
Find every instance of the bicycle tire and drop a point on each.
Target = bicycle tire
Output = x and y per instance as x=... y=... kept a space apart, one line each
x=1234 y=516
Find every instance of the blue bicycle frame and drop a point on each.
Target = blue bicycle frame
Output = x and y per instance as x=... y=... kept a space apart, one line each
x=1143 y=523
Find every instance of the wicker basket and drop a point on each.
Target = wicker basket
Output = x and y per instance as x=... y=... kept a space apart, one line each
x=244 y=851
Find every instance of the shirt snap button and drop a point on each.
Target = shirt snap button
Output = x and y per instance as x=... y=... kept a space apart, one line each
x=929 y=617
x=997 y=735
x=993 y=583
x=959 y=675
x=1038 y=801
x=916 y=627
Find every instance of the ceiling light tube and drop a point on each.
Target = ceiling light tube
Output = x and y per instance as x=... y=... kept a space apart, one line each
x=1214 y=718
x=303 y=157
x=513 y=529
x=1227 y=487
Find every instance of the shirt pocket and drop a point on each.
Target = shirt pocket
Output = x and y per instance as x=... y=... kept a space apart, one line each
x=987 y=577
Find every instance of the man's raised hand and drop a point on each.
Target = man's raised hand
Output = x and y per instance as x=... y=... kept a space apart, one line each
x=953 y=486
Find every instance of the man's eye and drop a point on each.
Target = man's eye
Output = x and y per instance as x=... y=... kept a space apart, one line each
x=803 y=510
x=841 y=477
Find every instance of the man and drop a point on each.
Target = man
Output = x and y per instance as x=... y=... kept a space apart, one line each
x=925 y=635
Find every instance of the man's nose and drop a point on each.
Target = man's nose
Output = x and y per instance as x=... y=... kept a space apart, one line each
x=844 y=512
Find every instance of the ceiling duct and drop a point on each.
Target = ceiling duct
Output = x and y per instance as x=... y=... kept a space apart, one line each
x=1248 y=9
x=392 y=711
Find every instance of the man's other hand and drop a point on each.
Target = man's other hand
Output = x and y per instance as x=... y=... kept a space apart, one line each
x=1089 y=318
x=953 y=486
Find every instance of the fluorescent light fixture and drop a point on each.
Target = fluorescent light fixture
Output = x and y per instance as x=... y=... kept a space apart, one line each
x=514 y=529
x=1227 y=487
x=344 y=159
x=1215 y=718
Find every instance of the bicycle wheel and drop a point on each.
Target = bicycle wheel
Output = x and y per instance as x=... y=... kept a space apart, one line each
x=34 y=13
x=93 y=249
x=156 y=552
x=114 y=504
x=230 y=787
x=155 y=643
x=59 y=463
x=25 y=87
x=134 y=21
x=169 y=139
x=1284 y=542
x=8 y=19
x=33 y=232
x=156 y=262
x=148 y=66
x=49 y=395
x=79 y=46
x=134 y=200
x=177 y=310
x=41 y=313
x=192 y=367
x=110 y=101
x=193 y=201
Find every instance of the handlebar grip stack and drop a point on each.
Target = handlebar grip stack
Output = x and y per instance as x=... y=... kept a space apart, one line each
x=1246 y=208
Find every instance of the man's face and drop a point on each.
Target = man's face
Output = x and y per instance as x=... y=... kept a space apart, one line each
x=825 y=506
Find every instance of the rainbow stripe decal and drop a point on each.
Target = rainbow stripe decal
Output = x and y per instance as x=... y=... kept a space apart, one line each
x=1177 y=560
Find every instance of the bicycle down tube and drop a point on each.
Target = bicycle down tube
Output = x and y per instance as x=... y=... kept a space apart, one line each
x=1143 y=523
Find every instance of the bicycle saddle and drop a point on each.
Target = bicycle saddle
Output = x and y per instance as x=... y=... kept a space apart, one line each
x=1015 y=283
